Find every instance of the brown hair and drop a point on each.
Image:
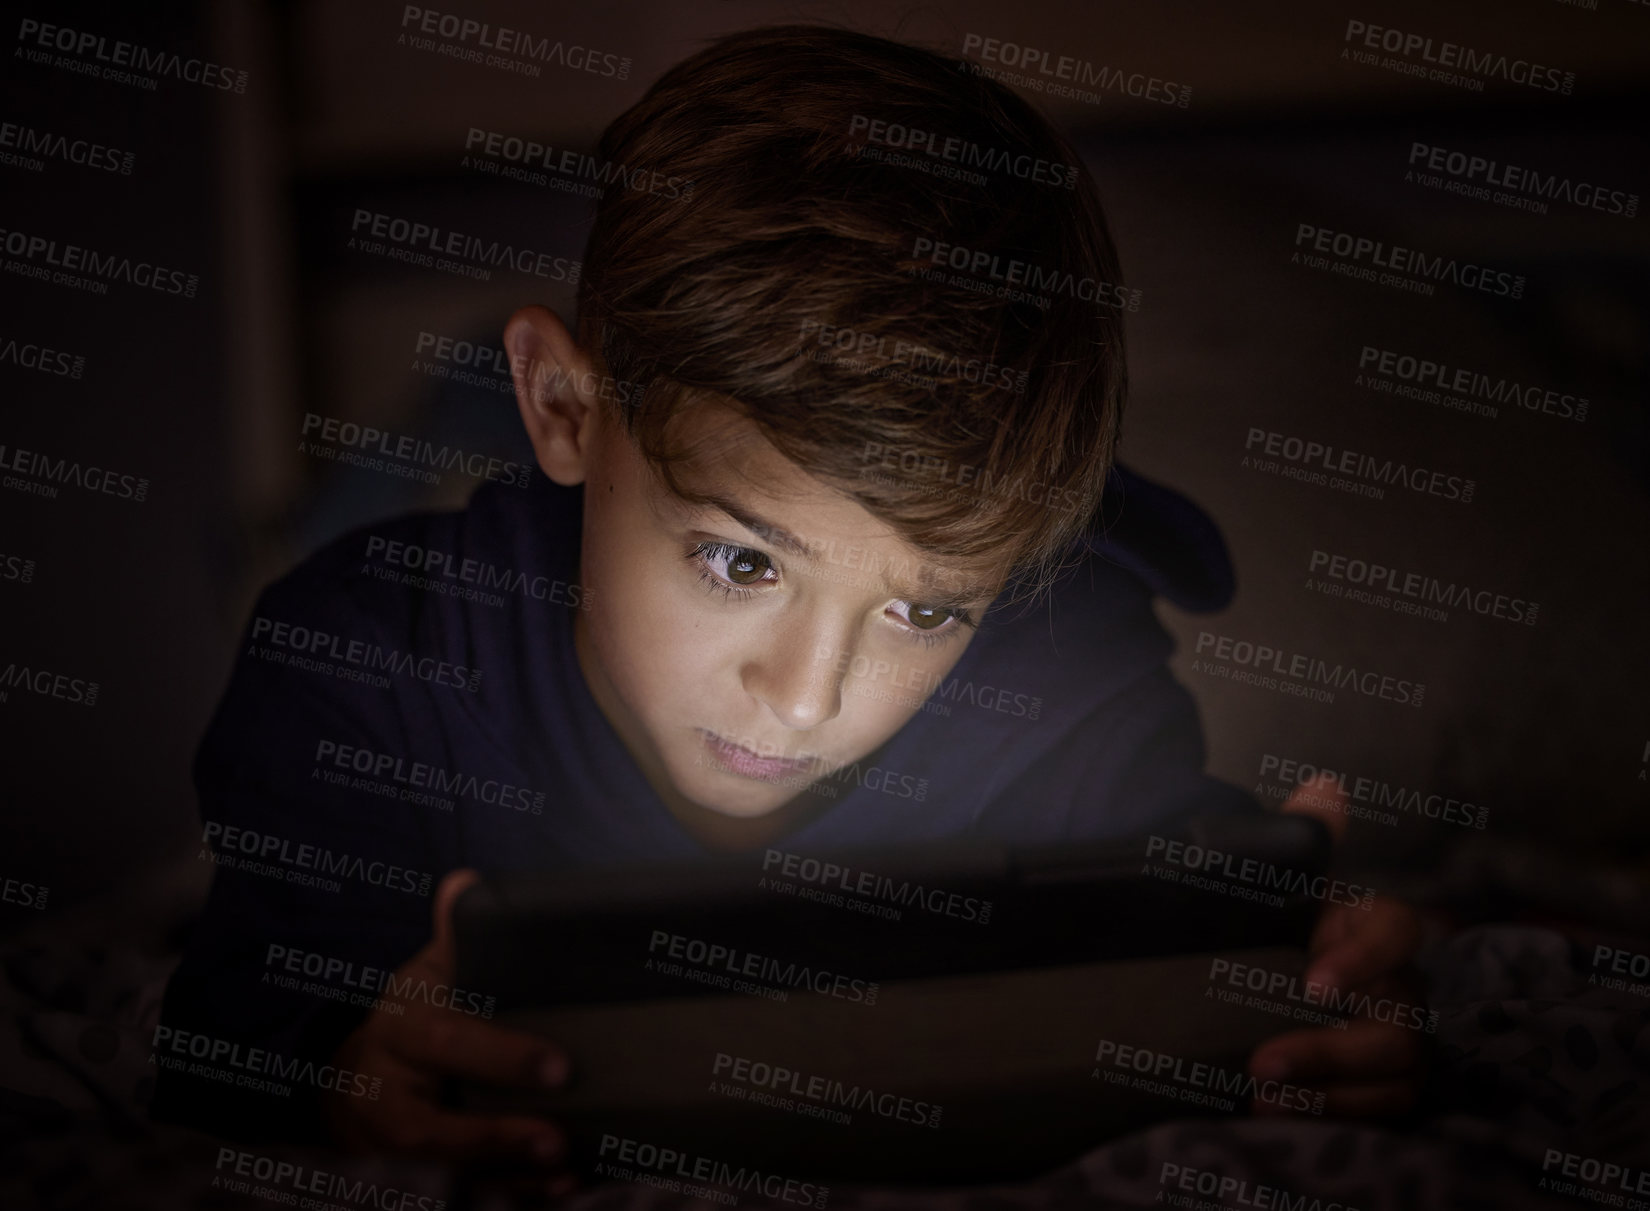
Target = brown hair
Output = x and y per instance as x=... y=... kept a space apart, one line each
x=978 y=424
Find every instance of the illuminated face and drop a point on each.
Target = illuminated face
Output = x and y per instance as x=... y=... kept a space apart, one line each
x=746 y=648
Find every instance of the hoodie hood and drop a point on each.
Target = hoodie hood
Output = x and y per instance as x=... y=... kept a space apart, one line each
x=1165 y=540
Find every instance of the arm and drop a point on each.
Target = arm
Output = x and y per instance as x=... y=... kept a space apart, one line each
x=1376 y=1066
x=1135 y=765
x=278 y=829
x=317 y=990
x=1132 y=764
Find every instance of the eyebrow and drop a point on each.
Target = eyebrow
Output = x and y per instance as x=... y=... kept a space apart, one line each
x=965 y=595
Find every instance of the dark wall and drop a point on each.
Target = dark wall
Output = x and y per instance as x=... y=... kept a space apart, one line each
x=130 y=595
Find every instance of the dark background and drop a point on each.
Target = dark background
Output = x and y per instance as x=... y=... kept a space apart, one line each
x=1546 y=725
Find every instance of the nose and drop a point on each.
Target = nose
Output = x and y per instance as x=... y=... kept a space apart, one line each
x=797 y=678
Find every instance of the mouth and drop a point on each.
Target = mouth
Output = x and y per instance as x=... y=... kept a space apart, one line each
x=737 y=759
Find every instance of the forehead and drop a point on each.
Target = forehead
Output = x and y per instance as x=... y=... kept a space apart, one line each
x=727 y=467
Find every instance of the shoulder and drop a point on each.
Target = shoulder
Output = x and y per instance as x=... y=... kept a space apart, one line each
x=1039 y=673
x=365 y=574
x=303 y=666
x=395 y=575
x=384 y=610
x=1095 y=629
x=418 y=629
x=1115 y=745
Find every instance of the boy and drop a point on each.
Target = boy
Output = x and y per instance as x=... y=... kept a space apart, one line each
x=830 y=421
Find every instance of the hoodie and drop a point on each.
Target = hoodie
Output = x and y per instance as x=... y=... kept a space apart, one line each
x=395 y=713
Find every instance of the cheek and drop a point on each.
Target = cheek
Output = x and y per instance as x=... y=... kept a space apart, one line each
x=888 y=689
x=652 y=633
x=873 y=721
x=885 y=698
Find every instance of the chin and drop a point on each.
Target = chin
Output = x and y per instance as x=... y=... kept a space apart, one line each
x=740 y=813
x=740 y=802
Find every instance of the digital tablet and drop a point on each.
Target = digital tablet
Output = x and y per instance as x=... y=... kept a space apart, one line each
x=957 y=1012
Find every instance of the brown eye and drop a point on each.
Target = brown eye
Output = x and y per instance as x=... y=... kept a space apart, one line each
x=732 y=567
x=926 y=618
x=747 y=567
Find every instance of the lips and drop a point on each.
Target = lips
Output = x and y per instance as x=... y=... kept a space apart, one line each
x=737 y=759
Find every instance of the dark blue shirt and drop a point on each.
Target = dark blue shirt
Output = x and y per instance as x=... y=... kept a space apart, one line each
x=397 y=712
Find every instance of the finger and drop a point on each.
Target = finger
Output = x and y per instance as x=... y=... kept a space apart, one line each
x=418 y=1128
x=1356 y=951
x=1374 y=1099
x=442 y=949
x=1323 y=799
x=438 y=959
x=1363 y=1051
x=1334 y=923
x=446 y=1042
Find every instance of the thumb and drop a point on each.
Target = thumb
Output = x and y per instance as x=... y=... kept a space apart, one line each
x=1323 y=798
x=442 y=950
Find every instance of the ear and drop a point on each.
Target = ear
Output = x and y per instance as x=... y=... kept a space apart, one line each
x=556 y=390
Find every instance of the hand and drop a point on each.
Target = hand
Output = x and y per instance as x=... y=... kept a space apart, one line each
x=412 y=1051
x=1372 y=1067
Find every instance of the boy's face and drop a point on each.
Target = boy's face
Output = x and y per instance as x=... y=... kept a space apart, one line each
x=745 y=649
